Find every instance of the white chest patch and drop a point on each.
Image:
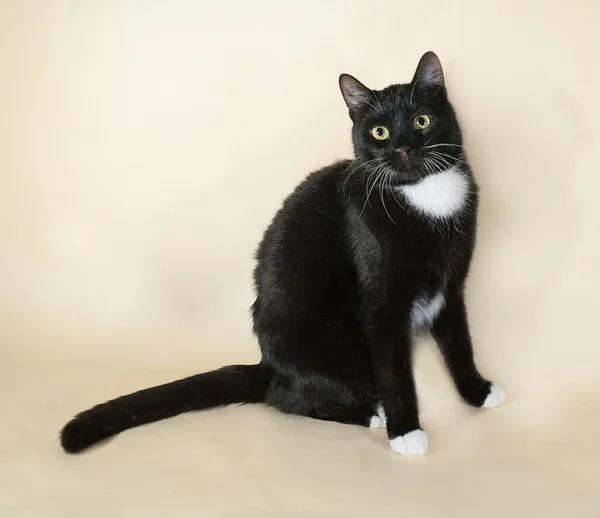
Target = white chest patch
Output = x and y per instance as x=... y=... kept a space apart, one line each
x=425 y=310
x=439 y=195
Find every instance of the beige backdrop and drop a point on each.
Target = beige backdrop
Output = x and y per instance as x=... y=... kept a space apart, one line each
x=144 y=147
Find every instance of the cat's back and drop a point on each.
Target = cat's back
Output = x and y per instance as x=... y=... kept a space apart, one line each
x=308 y=218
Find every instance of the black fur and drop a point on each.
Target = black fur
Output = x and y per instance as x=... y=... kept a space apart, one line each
x=225 y=386
x=338 y=271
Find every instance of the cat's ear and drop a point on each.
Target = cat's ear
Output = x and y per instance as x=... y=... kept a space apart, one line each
x=429 y=72
x=357 y=96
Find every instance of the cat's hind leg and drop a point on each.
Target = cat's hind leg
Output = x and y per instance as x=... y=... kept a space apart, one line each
x=356 y=415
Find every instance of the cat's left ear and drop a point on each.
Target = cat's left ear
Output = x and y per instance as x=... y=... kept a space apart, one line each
x=357 y=96
x=429 y=72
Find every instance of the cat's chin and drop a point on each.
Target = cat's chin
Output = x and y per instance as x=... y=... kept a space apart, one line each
x=406 y=176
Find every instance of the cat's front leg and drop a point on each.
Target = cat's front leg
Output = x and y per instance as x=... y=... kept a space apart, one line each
x=451 y=332
x=390 y=340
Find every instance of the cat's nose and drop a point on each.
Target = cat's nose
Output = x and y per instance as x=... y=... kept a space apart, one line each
x=403 y=151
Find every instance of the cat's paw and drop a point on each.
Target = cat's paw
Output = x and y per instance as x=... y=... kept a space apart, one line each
x=495 y=397
x=379 y=420
x=376 y=422
x=411 y=443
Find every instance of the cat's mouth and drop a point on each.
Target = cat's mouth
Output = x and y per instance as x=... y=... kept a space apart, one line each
x=412 y=170
x=411 y=164
x=391 y=174
x=406 y=166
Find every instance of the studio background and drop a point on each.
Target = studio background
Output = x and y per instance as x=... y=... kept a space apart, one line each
x=144 y=148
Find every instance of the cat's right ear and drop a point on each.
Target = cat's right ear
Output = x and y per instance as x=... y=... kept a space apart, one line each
x=357 y=96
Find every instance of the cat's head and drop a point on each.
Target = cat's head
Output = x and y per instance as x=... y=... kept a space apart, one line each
x=406 y=131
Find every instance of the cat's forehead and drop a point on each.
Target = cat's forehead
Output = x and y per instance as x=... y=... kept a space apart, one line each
x=400 y=97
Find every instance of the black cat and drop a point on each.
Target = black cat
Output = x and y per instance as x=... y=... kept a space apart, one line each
x=362 y=256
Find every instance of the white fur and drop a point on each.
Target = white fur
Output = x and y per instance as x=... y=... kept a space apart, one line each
x=411 y=443
x=376 y=422
x=379 y=420
x=424 y=311
x=439 y=195
x=381 y=413
x=496 y=397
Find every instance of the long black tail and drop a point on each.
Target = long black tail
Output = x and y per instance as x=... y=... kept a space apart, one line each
x=225 y=386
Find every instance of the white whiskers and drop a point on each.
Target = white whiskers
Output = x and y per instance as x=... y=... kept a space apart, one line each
x=365 y=164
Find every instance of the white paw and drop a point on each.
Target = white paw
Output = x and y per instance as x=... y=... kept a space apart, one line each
x=411 y=443
x=495 y=398
x=376 y=422
x=379 y=420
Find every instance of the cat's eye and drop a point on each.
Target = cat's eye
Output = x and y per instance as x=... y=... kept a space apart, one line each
x=380 y=133
x=421 y=122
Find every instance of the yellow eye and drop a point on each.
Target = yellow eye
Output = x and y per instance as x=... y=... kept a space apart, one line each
x=380 y=133
x=421 y=122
